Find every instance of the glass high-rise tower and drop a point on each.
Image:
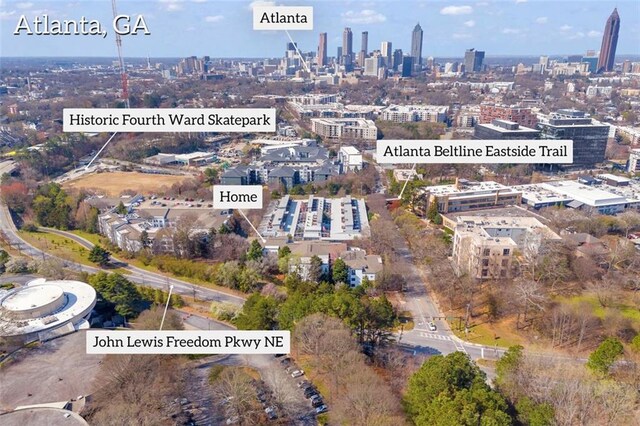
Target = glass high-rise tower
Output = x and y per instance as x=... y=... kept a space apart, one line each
x=609 y=42
x=416 y=45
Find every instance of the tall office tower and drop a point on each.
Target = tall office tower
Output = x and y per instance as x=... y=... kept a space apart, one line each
x=473 y=60
x=365 y=43
x=416 y=45
x=626 y=66
x=372 y=65
x=339 y=55
x=347 y=43
x=397 y=59
x=609 y=42
x=544 y=61
x=387 y=53
x=322 y=50
x=407 y=66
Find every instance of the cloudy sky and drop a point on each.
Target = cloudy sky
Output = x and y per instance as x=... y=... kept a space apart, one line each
x=224 y=28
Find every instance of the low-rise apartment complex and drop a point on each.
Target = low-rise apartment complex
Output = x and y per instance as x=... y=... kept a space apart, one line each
x=484 y=246
x=344 y=128
x=317 y=218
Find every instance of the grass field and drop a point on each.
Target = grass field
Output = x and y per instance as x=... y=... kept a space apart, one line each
x=627 y=308
x=113 y=183
x=485 y=334
x=62 y=247
x=94 y=238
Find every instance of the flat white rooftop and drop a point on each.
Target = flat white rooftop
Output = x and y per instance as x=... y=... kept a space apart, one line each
x=51 y=303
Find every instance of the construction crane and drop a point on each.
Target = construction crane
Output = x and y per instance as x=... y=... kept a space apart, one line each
x=123 y=72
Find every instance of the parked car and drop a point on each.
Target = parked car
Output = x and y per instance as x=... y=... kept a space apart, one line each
x=322 y=409
x=317 y=403
x=310 y=392
x=297 y=373
x=432 y=326
x=302 y=384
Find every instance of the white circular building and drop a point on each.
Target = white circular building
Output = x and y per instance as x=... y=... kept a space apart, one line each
x=42 y=307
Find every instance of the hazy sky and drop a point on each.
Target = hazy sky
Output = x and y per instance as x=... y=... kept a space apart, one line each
x=224 y=28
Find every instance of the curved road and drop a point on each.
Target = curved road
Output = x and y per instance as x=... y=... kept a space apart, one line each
x=137 y=275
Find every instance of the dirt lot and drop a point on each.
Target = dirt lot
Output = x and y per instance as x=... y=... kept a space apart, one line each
x=112 y=184
x=58 y=370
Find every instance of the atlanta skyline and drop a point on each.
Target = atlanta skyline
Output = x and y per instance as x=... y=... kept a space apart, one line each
x=504 y=28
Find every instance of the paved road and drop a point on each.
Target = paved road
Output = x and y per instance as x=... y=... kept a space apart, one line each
x=135 y=274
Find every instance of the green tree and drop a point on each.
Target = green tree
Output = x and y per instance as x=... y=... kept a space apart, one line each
x=4 y=258
x=284 y=251
x=258 y=313
x=532 y=414
x=210 y=175
x=340 y=271
x=601 y=360
x=432 y=211
x=315 y=269
x=144 y=239
x=255 y=251
x=99 y=255
x=508 y=363
x=635 y=343
x=118 y=291
x=452 y=390
x=121 y=209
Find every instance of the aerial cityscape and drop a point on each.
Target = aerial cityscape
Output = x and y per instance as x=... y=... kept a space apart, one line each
x=320 y=213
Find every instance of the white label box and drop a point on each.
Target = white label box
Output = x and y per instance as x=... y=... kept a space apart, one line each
x=237 y=197
x=138 y=342
x=169 y=120
x=282 y=17
x=502 y=151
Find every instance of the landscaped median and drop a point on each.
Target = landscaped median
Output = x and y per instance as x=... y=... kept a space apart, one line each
x=60 y=246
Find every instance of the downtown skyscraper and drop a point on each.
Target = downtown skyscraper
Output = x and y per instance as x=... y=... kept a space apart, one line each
x=347 y=47
x=416 y=45
x=322 y=50
x=609 y=43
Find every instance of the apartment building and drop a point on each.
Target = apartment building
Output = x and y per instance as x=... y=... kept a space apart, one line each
x=344 y=128
x=466 y=195
x=484 y=246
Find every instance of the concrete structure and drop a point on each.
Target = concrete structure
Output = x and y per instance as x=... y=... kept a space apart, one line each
x=484 y=246
x=630 y=133
x=191 y=159
x=465 y=195
x=473 y=60
x=125 y=231
x=602 y=198
x=288 y=166
x=350 y=158
x=520 y=115
x=411 y=113
x=416 y=46
x=504 y=129
x=317 y=218
x=372 y=65
x=589 y=139
x=360 y=266
x=633 y=166
x=303 y=251
x=44 y=309
x=607 y=57
x=322 y=50
x=344 y=128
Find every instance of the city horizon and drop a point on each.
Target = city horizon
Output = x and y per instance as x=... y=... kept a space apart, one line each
x=509 y=29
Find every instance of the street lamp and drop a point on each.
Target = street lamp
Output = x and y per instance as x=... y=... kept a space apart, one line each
x=166 y=306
